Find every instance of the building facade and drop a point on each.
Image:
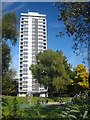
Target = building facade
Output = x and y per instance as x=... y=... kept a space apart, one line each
x=33 y=39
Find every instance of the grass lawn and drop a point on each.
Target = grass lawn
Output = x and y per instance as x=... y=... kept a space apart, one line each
x=23 y=110
x=23 y=100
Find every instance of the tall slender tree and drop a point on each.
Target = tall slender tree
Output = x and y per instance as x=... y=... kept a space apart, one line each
x=9 y=32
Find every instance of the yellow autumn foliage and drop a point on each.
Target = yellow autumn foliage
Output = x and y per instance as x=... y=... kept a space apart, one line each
x=81 y=76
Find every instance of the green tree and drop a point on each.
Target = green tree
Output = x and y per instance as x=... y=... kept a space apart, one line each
x=6 y=57
x=9 y=27
x=9 y=32
x=75 y=16
x=8 y=84
x=50 y=71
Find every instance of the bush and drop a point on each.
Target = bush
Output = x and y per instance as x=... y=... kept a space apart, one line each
x=74 y=112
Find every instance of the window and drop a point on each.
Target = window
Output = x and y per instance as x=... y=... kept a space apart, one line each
x=33 y=57
x=25 y=57
x=26 y=18
x=40 y=31
x=40 y=28
x=25 y=81
x=25 y=38
x=25 y=65
x=25 y=42
x=25 y=60
x=25 y=28
x=25 y=49
x=40 y=25
x=25 y=34
x=24 y=86
x=25 y=53
x=40 y=38
x=40 y=46
x=25 y=45
x=25 y=22
x=40 y=42
x=40 y=35
x=25 y=73
x=25 y=31
x=25 y=77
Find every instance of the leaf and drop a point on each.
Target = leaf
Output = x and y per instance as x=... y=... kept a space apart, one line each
x=85 y=115
x=74 y=111
x=62 y=116
x=68 y=109
x=65 y=112
x=73 y=116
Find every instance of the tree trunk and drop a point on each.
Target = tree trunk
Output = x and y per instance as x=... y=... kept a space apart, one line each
x=50 y=91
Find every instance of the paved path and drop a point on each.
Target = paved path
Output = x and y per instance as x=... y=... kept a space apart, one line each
x=54 y=103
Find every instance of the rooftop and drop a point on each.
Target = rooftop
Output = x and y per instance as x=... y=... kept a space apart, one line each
x=36 y=14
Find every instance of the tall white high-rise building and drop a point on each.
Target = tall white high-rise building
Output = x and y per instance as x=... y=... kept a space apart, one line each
x=33 y=39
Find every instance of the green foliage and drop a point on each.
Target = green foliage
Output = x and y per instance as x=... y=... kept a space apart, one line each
x=8 y=84
x=50 y=71
x=9 y=32
x=80 y=98
x=7 y=73
x=76 y=22
x=74 y=112
x=9 y=27
x=6 y=57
